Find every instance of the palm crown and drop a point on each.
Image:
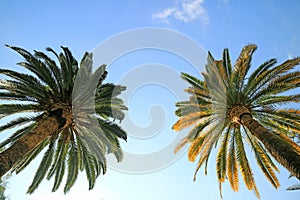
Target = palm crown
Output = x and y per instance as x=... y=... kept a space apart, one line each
x=232 y=107
x=76 y=127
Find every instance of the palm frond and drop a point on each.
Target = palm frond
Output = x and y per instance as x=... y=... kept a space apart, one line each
x=232 y=164
x=242 y=65
x=88 y=165
x=263 y=160
x=190 y=119
x=227 y=63
x=278 y=85
x=193 y=81
x=294 y=187
x=18 y=122
x=36 y=66
x=262 y=69
x=55 y=71
x=278 y=100
x=42 y=170
x=18 y=134
x=221 y=156
x=21 y=89
x=270 y=74
x=60 y=148
x=195 y=148
x=211 y=136
x=243 y=161
x=73 y=166
x=60 y=167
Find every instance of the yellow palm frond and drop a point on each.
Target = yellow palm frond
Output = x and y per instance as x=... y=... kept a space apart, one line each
x=195 y=148
x=221 y=157
x=182 y=143
x=242 y=64
x=232 y=166
x=210 y=138
x=290 y=142
x=222 y=70
x=197 y=92
x=256 y=192
x=293 y=111
x=243 y=161
x=188 y=120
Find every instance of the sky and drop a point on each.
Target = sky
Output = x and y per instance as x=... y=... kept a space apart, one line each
x=146 y=44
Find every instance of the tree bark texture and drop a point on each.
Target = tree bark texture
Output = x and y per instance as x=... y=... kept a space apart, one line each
x=45 y=128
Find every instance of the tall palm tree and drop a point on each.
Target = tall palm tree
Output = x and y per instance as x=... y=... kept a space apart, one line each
x=64 y=107
x=231 y=107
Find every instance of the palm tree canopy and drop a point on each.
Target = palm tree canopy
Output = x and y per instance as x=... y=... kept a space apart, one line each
x=86 y=110
x=232 y=107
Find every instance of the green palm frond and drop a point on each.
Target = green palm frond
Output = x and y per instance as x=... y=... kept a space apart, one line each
x=10 y=109
x=73 y=166
x=89 y=165
x=227 y=63
x=107 y=103
x=278 y=100
x=42 y=170
x=18 y=134
x=279 y=84
x=18 y=122
x=265 y=77
x=60 y=167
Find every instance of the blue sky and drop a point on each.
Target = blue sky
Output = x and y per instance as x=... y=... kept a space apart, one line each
x=216 y=24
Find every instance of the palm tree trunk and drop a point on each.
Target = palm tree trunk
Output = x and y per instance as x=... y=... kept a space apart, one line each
x=281 y=149
x=19 y=149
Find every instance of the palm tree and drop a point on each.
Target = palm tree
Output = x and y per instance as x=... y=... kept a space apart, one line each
x=52 y=107
x=232 y=107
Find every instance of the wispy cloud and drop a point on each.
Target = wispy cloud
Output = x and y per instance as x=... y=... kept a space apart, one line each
x=164 y=15
x=186 y=11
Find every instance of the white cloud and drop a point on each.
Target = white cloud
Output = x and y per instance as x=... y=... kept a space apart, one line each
x=187 y=11
x=163 y=15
